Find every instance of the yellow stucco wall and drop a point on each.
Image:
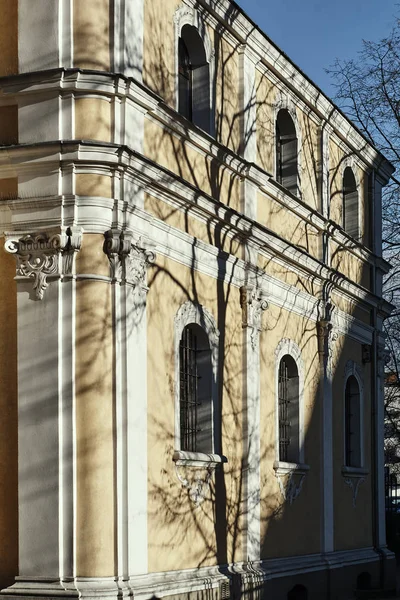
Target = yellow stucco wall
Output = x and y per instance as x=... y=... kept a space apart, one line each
x=281 y=521
x=92 y=35
x=93 y=119
x=180 y=535
x=200 y=230
x=227 y=95
x=266 y=95
x=9 y=38
x=353 y=525
x=350 y=266
x=91 y=184
x=9 y=187
x=309 y=160
x=9 y=124
x=8 y=421
x=287 y=225
x=94 y=415
x=210 y=176
x=159 y=48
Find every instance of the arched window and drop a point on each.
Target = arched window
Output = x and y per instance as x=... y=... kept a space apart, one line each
x=286 y=152
x=196 y=347
x=288 y=406
x=194 y=78
x=350 y=203
x=195 y=386
x=353 y=426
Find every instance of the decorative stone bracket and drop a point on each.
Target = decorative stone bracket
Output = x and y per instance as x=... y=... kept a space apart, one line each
x=194 y=470
x=43 y=255
x=290 y=478
x=253 y=304
x=354 y=477
x=128 y=258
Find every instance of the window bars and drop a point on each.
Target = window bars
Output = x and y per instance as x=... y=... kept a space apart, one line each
x=188 y=400
x=283 y=400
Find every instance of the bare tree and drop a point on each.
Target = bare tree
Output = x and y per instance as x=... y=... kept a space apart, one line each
x=368 y=91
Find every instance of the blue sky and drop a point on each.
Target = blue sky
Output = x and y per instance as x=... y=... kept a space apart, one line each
x=315 y=32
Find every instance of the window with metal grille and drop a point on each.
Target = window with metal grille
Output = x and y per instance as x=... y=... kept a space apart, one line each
x=352 y=423
x=286 y=152
x=288 y=405
x=195 y=401
x=350 y=203
x=194 y=99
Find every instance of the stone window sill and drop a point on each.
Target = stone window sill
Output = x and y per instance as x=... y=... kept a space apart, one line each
x=285 y=468
x=354 y=471
x=198 y=459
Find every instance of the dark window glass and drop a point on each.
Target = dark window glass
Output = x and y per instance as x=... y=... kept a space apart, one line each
x=286 y=152
x=288 y=403
x=195 y=397
x=352 y=424
x=194 y=79
x=350 y=203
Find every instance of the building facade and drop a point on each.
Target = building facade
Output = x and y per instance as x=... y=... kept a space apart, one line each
x=192 y=352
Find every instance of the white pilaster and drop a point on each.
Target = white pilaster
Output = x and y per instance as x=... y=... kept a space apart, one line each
x=128 y=37
x=129 y=266
x=253 y=304
x=38 y=35
x=248 y=107
x=325 y=342
x=45 y=402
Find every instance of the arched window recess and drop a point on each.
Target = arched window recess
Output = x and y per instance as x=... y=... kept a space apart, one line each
x=353 y=470
x=350 y=204
x=195 y=69
x=197 y=415
x=287 y=149
x=289 y=420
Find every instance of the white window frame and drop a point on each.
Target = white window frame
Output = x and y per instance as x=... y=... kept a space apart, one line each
x=185 y=15
x=289 y=347
x=193 y=313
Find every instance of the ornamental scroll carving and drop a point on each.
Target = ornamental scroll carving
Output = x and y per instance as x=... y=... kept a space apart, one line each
x=128 y=259
x=290 y=484
x=253 y=304
x=43 y=255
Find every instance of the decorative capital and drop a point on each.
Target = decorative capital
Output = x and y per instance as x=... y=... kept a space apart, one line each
x=128 y=259
x=43 y=255
x=325 y=335
x=383 y=358
x=366 y=353
x=253 y=303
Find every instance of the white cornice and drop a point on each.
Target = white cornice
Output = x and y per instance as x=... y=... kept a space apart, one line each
x=107 y=84
x=155 y=178
x=240 y=30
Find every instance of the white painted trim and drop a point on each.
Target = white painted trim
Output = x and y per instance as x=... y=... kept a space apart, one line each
x=66 y=36
x=188 y=313
x=353 y=369
x=287 y=346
